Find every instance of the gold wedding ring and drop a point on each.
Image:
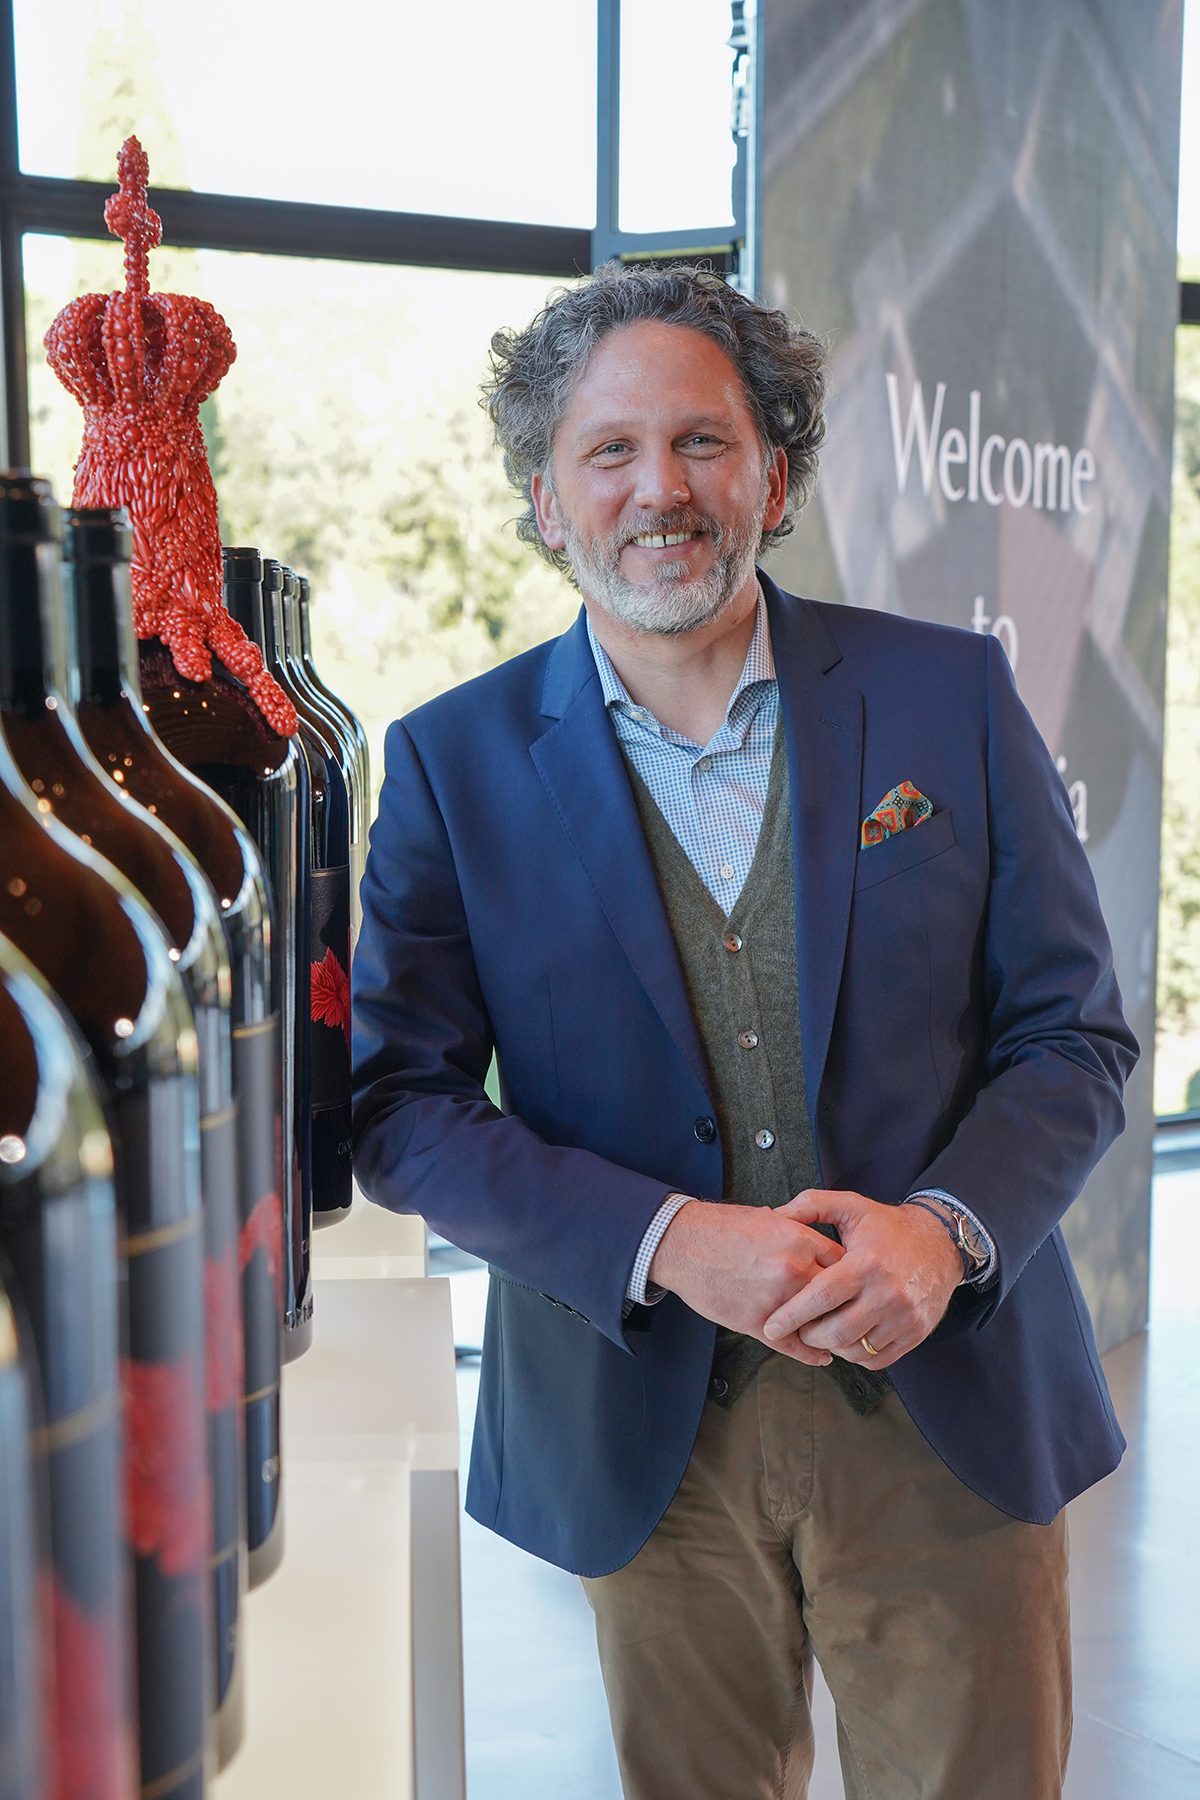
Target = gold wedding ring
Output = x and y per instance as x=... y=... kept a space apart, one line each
x=868 y=1346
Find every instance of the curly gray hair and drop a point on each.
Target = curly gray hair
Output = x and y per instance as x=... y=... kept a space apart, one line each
x=533 y=372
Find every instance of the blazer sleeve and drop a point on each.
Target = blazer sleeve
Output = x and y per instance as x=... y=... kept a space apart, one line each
x=1058 y=1048
x=427 y=1139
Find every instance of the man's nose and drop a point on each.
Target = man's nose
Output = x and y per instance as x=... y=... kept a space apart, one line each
x=662 y=483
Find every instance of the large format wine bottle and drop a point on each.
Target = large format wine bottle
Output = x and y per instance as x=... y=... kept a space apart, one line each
x=36 y=695
x=329 y=849
x=58 y=1232
x=348 y=754
x=216 y=730
x=119 y=733
x=89 y=934
x=23 y=1774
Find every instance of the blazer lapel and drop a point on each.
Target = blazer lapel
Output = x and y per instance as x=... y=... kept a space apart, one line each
x=581 y=766
x=823 y=735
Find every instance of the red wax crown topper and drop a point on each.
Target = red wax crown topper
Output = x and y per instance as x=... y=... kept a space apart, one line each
x=140 y=364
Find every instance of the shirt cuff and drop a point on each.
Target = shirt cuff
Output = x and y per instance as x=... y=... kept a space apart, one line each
x=641 y=1291
x=983 y=1276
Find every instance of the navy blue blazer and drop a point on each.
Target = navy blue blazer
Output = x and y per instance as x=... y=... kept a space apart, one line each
x=961 y=1026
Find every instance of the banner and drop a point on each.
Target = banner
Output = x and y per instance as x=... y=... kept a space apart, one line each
x=975 y=205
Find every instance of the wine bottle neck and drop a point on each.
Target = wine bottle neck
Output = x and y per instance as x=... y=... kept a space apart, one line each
x=273 y=636
x=244 y=602
x=291 y=628
x=35 y=644
x=305 y=631
x=106 y=647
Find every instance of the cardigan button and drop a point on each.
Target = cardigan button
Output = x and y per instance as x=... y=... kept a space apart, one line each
x=704 y=1130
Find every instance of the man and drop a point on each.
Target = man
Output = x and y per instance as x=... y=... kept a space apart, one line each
x=776 y=918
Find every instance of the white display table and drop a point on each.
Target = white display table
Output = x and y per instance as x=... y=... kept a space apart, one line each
x=354 y=1645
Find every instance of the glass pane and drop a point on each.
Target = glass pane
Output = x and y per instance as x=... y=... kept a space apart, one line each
x=347 y=440
x=1189 y=148
x=1177 y=1065
x=677 y=151
x=473 y=108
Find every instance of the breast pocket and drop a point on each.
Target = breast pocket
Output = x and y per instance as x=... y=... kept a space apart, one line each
x=919 y=844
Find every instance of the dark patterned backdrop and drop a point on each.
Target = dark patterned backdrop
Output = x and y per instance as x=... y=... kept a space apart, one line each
x=975 y=203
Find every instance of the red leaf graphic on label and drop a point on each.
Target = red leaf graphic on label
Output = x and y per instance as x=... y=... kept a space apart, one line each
x=222 y=1333
x=263 y=1230
x=166 y=1480
x=331 y=993
x=90 y=1730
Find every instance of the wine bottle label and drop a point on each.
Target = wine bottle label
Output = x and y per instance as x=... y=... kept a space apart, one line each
x=223 y=1384
x=333 y=1187
x=67 y=1263
x=329 y=1001
x=256 y=1075
x=167 y=1503
x=82 y=1607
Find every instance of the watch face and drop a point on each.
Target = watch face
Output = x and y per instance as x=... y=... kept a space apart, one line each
x=972 y=1241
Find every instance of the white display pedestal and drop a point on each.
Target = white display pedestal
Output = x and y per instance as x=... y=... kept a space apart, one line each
x=354 y=1645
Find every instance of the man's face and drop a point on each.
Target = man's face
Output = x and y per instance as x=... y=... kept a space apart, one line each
x=658 y=443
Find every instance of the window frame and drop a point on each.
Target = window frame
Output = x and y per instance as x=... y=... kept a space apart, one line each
x=200 y=221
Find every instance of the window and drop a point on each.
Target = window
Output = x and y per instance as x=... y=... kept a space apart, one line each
x=347 y=440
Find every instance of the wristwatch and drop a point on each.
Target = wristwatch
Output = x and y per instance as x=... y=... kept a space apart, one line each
x=968 y=1239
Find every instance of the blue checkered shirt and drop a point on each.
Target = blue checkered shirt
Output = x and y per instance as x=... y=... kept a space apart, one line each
x=713 y=797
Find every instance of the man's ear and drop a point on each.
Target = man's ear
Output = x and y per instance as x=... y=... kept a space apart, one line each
x=545 y=511
x=777 y=479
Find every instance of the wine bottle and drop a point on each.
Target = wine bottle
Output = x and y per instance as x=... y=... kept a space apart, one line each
x=36 y=706
x=329 y=849
x=322 y=687
x=58 y=1232
x=23 y=1771
x=349 y=750
x=118 y=731
x=105 y=956
x=216 y=731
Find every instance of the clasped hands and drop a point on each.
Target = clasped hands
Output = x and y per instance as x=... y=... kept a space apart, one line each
x=767 y=1273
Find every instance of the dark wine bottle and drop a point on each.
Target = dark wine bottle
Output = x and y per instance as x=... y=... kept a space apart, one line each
x=36 y=706
x=348 y=754
x=329 y=850
x=23 y=1771
x=58 y=1232
x=352 y=719
x=216 y=731
x=119 y=733
x=103 y=953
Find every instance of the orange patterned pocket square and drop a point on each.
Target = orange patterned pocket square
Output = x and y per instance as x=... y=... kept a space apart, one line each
x=900 y=809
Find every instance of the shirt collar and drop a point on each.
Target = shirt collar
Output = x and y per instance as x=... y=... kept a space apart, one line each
x=758 y=666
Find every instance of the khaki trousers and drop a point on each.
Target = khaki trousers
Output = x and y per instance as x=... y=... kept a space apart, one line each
x=801 y=1530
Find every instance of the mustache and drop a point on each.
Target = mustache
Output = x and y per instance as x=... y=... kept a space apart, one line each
x=668 y=524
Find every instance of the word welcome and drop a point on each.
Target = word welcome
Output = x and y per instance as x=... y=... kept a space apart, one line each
x=996 y=469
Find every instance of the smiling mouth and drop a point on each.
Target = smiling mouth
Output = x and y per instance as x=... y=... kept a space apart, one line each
x=658 y=540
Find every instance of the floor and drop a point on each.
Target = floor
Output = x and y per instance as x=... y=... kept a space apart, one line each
x=536 y=1721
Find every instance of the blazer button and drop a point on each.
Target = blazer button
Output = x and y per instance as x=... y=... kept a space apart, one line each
x=704 y=1129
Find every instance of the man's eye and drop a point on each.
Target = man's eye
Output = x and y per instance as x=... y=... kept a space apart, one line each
x=702 y=440
x=616 y=448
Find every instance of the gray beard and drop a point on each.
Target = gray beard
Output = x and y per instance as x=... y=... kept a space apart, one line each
x=670 y=604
